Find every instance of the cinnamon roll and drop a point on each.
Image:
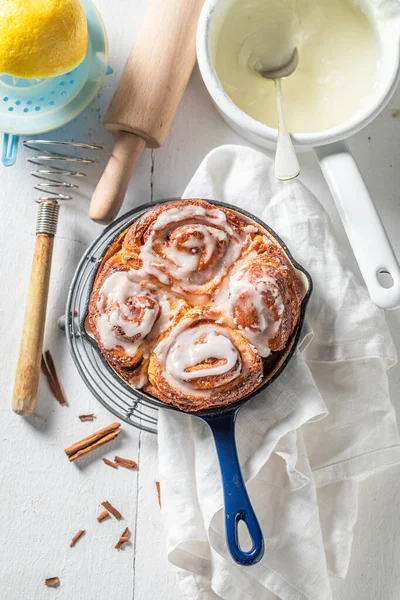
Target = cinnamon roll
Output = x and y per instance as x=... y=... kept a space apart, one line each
x=265 y=298
x=126 y=316
x=200 y=362
x=189 y=246
x=194 y=304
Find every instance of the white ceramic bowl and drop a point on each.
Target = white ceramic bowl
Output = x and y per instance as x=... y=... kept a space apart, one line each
x=361 y=221
x=265 y=136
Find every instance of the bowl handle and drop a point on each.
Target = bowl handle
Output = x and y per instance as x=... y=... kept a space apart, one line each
x=237 y=503
x=362 y=223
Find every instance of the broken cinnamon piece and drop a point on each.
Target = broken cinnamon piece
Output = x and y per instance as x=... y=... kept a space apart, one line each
x=93 y=441
x=58 y=392
x=89 y=417
x=123 y=539
x=158 y=492
x=76 y=537
x=103 y=515
x=48 y=369
x=46 y=372
x=125 y=462
x=110 y=463
x=52 y=582
x=115 y=513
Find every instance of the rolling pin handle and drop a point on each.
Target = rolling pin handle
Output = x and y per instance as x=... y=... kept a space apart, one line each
x=109 y=194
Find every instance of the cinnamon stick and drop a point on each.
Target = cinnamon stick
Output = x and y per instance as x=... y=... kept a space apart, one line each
x=104 y=440
x=89 y=417
x=49 y=370
x=76 y=537
x=110 y=463
x=125 y=462
x=158 y=492
x=52 y=582
x=92 y=438
x=93 y=441
x=103 y=515
x=123 y=539
x=115 y=513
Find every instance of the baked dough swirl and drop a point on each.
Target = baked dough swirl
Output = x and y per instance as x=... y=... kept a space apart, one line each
x=200 y=362
x=126 y=316
x=265 y=298
x=189 y=246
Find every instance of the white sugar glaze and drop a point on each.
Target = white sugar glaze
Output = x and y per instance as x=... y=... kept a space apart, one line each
x=206 y=229
x=187 y=263
x=139 y=382
x=266 y=327
x=110 y=339
x=173 y=215
x=169 y=308
x=118 y=326
x=194 y=346
x=339 y=50
x=163 y=348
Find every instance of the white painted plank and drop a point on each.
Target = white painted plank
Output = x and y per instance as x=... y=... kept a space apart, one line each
x=154 y=576
x=374 y=568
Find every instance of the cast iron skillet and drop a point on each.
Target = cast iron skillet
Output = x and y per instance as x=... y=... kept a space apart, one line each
x=222 y=420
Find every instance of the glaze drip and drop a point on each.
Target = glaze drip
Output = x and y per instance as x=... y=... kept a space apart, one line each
x=128 y=311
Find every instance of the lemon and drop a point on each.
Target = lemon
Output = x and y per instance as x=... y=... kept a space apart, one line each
x=41 y=38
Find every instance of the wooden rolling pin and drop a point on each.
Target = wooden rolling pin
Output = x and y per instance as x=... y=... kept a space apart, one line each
x=148 y=95
x=30 y=350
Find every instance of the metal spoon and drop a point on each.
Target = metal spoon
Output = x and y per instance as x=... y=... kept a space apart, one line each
x=286 y=163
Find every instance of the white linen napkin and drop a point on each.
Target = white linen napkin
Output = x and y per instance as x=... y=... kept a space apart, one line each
x=304 y=442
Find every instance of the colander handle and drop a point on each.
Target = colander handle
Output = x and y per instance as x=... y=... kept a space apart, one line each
x=10 y=147
x=361 y=221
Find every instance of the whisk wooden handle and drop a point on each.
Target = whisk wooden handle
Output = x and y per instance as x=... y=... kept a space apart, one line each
x=149 y=91
x=31 y=345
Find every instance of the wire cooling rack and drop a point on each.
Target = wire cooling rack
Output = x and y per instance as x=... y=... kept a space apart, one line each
x=124 y=402
x=111 y=393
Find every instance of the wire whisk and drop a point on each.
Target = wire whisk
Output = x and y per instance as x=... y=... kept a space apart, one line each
x=29 y=360
x=49 y=170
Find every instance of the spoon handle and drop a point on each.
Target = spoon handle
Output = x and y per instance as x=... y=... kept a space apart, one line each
x=286 y=163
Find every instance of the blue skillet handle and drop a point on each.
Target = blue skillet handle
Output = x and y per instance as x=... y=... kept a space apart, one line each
x=237 y=503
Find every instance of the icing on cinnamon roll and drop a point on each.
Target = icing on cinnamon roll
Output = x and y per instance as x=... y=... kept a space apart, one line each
x=127 y=315
x=201 y=362
x=189 y=246
x=265 y=300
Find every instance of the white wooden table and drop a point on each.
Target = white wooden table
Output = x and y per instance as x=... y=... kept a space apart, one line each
x=44 y=499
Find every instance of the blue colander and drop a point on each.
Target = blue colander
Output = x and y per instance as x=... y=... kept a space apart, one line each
x=29 y=107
